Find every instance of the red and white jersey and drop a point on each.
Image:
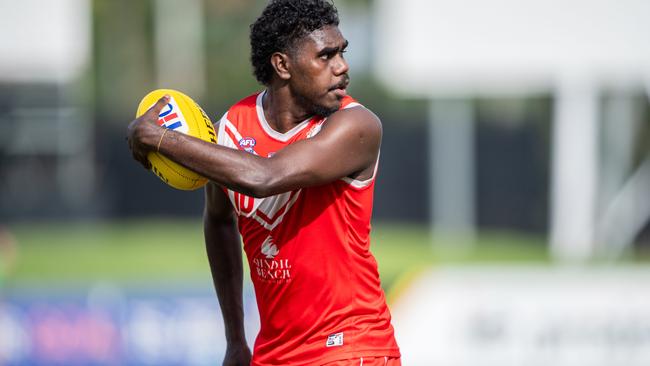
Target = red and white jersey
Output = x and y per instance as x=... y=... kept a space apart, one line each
x=316 y=282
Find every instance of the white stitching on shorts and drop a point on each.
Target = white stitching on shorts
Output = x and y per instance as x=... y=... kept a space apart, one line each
x=361 y=364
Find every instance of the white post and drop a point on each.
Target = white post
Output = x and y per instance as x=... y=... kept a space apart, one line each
x=180 y=52
x=627 y=213
x=451 y=159
x=620 y=124
x=574 y=170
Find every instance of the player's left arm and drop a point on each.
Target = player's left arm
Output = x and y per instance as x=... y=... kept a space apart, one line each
x=347 y=146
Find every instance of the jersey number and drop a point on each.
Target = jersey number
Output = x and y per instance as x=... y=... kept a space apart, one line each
x=244 y=204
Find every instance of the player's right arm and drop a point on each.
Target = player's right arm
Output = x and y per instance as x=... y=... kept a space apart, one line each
x=225 y=256
x=346 y=146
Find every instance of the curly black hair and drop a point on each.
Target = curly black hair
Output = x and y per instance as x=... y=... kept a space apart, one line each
x=281 y=25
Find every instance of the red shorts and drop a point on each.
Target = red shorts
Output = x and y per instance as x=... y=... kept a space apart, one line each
x=367 y=361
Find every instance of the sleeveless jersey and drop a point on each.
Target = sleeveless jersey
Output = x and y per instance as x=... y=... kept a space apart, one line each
x=316 y=282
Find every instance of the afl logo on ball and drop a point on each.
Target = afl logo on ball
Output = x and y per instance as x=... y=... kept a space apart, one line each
x=247 y=143
x=171 y=117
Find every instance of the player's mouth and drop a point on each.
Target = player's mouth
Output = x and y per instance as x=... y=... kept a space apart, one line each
x=340 y=89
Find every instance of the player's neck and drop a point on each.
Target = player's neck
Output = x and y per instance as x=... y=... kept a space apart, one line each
x=281 y=110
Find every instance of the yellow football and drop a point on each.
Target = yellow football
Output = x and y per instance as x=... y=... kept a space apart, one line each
x=181 y=114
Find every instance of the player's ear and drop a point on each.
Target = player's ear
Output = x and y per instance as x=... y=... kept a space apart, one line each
x=280 y=63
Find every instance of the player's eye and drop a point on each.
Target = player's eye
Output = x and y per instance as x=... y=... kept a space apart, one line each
x=328 y=55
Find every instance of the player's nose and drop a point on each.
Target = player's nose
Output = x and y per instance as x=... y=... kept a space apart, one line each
x=341 y=67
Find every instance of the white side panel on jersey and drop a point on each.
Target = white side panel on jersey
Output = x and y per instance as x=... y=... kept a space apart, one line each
x=229 y=126
x=221 y=133
x=276 y=203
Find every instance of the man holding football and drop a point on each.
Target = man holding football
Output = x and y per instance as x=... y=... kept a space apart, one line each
x=293 y=172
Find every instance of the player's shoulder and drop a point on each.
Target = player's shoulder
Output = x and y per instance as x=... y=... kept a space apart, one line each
x=245 y=105
x=356 y=112
x=355 y=118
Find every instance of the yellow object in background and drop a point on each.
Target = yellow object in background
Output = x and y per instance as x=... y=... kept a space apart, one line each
x=181 y=114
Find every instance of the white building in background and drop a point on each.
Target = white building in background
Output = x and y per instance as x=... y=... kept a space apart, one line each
x=45 y=41
x=46 y=50
x=451 y=51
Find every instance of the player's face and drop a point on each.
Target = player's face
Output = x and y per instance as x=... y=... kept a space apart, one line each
x=320 y=73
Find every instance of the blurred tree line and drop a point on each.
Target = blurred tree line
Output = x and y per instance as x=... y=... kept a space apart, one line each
x=512 y=138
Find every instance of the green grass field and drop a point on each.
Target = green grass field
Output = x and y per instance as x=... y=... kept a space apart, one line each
x=163 y=250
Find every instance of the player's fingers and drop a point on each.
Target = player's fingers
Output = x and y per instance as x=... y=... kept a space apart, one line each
x=160 y=104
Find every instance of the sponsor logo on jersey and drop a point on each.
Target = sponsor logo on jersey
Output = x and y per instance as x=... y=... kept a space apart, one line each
x=334 y=340
x=269 y=268
x=247 y=143
x=269 y=249
x=172 y=118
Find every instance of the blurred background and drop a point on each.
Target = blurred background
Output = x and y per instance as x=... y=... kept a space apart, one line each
x=512 y=208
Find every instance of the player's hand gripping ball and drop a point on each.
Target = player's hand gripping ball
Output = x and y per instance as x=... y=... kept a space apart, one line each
x=183 y=115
